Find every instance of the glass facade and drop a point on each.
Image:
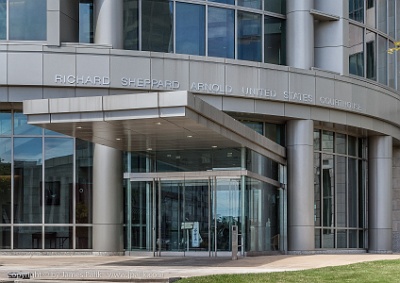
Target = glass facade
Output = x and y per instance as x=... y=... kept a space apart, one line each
x=339 y=190
x=207 y=30
x=44 y=204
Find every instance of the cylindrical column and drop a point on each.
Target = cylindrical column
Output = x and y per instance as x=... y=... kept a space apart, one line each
x=107 y=200
x=300 y=185
x=380 y=194
x=108 y=22
x=300 y=34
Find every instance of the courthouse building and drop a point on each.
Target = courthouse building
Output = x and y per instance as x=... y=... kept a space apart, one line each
x=160 y=126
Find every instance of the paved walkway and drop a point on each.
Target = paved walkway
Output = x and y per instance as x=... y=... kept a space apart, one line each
x=128 y=268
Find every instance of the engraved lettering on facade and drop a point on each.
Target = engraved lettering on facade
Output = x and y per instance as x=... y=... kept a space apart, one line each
x=338 y=103
x=297 y=96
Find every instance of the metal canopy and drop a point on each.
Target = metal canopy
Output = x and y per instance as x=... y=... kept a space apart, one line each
x=148 y=121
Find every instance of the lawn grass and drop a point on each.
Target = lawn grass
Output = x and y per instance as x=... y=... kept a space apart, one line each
x=376 y=271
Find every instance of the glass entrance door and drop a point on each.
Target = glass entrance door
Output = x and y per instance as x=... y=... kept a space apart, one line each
x=196 y=215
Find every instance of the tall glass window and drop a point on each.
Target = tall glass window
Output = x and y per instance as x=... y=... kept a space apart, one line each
x=382 y=60
x=3 y=19
x=382 y=15
x=249 y=36
x=356 y=50
x=28 y=19
x=273 y=41
x=339 y=190
x=371 y=55
x=221 y=32
x=190 y=29
x=131 y=24
x=86 y=21
x=391 y=18
x=28 y=197
x=37 y=183
x=157 y=23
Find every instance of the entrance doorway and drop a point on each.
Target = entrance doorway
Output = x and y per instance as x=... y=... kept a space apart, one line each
x=192 y=213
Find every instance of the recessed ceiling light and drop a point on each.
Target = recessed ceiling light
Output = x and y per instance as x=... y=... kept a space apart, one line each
x=79 y=127
x=214 y=146
x=190 y=136
x=158 y=123
x=118 y=139
x=149 y=149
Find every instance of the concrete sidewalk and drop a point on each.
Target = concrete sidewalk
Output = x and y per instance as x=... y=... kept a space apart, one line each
x=161 y=269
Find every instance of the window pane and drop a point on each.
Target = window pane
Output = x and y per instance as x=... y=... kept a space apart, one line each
x=21 y=126
x=382 y=60
x=58 y=238
x=276 y=6
x=274 y=41
x=5 y=123
x=356 y=10
x=356 y=50
x=3 y=19
x=28 y=179
x=84 y=237
x=86 y=22
x=157 y=18
x=340 y=144
x=341 y=191
x=353 y=192
x=391 y=18
x=5 y=237
x=28 y=237
x=5 y=180
x=341 y=239
x=26 y=25
x=256 y=4
x=84 y=177
x=328 y=238
x=371 y=17
x=317 y=140
x=328 y=191
x=327 y=141
x=190 y=29
x=131 y=25
x=371 y=56
x=58 y=180
x=352 y=146
x=221 y=32
x=382 y=15
x=392 y=68
x=249 y=36
x=256 y=126
x=317 y=189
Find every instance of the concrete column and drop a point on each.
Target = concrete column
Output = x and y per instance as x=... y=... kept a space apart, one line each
x=108 y=22
x=300 y=34
x=300 y=192
x=107 y=200
x=380 y=194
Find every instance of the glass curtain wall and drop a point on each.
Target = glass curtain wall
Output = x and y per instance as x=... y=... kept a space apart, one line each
x=207 y=30
x=339 y=190
x=370 y=39
x=42 y=205
x=19 y=22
